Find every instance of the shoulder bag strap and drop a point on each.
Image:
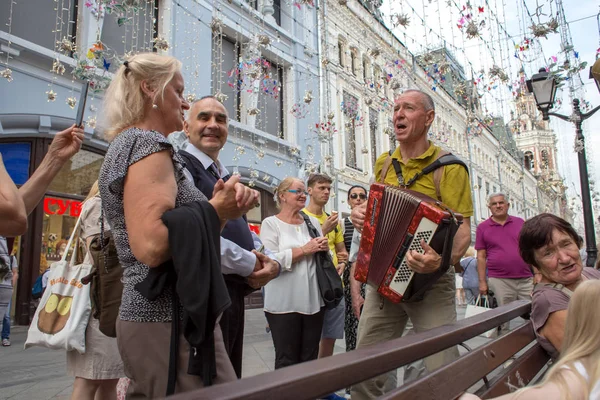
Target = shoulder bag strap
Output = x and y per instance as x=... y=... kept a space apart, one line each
x=70 y=242
x=385 y=167
x=311 y=228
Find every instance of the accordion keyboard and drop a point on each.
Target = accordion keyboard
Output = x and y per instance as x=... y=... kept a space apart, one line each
x=404 y=274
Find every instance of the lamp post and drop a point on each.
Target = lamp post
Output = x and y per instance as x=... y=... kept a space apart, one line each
x=543 y=87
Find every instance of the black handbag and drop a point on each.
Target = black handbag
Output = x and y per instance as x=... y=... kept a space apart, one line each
x=330 y=283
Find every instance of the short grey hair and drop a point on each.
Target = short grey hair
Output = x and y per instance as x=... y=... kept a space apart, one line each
x=427 y=99
x=491 y=196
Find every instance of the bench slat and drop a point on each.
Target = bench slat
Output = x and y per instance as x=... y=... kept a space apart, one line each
x=317 y=378
x=451 y=380
x=518 y=374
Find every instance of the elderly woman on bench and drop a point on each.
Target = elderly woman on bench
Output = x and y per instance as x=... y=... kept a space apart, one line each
x=551 y=245
x=576 y=374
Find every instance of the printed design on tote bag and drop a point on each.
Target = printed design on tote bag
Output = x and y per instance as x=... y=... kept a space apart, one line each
x=55 y=314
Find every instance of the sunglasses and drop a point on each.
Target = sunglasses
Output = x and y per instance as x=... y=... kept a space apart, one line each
x=298 y=191
x=355 y=196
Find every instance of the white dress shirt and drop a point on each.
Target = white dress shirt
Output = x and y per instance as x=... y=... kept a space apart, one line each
x=296 y=289
x=234 y=259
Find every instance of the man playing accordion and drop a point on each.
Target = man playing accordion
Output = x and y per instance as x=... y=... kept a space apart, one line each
x=382 y=320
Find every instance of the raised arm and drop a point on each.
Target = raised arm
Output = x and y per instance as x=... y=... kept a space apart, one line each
x=13 y=217
x=62 y=148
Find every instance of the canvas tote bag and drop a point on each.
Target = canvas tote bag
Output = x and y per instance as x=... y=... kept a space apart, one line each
x=481 y=305
x=62 y=316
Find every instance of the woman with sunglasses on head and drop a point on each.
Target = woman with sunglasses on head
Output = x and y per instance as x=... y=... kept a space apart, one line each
x=293 y=304
x=357 y=195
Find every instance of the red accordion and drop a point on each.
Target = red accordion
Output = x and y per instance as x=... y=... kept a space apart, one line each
x=395 y=222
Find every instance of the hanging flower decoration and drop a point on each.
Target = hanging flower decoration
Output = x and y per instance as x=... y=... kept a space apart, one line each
x=190 y=98
x=58 y=68
x=400 y=20
x=307 y=3
x=470 y=24
x=324 y=130
x=331 y=115
x=254 y=111
x=91 y=122
x=71 y=101
x=96 y=8
x=66 y=46
x=216 y=25
x=375 y=52
x=299 y=110
x=263 y=40
x=308 y=96
x=497 y=72
x=51 y=95
x=161 y=44
x=221 y=97
x=251 y=73
x=542 y=29
x=6 y=73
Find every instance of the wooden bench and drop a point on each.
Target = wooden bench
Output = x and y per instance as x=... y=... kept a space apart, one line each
x=318 y=378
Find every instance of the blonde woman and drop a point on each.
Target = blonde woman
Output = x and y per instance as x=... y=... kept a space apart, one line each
x=293 y=304
x=142 y=178
x=98 y=370
x=576 y=374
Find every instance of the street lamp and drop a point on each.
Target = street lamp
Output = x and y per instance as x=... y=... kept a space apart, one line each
x=543 y=87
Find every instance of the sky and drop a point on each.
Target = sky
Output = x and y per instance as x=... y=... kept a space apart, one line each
x=433 y=22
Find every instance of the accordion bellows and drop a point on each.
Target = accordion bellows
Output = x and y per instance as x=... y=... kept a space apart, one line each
x=396 y=221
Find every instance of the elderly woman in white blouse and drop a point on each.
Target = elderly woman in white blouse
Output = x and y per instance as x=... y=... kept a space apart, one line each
x=293 y=304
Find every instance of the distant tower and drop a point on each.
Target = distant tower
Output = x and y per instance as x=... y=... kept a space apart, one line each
x=534 y=137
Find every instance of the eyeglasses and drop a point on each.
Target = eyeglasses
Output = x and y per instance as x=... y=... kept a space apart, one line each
x=298 y=191
x=354 y=196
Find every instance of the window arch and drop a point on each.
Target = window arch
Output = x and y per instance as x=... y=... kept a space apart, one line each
x=354 y=61
x=528 y=161
x=342 y=51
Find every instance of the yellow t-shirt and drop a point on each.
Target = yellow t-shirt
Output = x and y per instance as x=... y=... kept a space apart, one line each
x=334 y=237
x=455 y=186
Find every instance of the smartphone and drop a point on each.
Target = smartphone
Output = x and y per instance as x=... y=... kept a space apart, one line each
x=82 y=100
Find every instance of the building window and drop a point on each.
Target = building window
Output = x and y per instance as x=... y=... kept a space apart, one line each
x=232 y=79
x=487 y=189
x=60 y=215
x=276 y=8
x=392 y=135
x=351 y=111
x=15 y=157
x=528 y=161
x=43 y=22
x=366 y=70
x=377 y=78
x=270 y=101
x=374 y=131
x=225 y=79
x=545 y=159
x=354 y=61
x=342 y=52
x=78 y=175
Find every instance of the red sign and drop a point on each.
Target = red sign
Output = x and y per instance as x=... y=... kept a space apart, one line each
x=54 y=206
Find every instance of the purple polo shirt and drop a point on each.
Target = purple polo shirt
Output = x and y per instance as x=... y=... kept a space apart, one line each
x=501 y=243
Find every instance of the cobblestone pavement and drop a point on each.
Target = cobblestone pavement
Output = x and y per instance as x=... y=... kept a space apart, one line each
x=38 y=373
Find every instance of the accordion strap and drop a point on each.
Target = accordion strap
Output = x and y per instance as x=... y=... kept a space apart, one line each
x=437 y=167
